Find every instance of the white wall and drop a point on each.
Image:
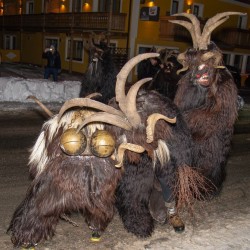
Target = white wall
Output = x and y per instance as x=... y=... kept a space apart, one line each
x=18 y=89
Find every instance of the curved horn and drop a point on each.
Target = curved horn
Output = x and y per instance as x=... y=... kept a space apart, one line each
x=181 y=59
x=93 y=95
x=128 y=146
x=86 y=102
x=131 y=112
x=122 y=77
x=46 y=110
x=151 y=121
x=194 y=28
x=212 y=24
x=212 y=54
x=106 y=118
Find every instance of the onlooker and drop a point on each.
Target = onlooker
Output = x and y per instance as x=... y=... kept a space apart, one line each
x=148 y=67
x=53 y=62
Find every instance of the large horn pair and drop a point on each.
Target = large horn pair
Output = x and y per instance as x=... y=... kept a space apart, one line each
x=128 y=117
x=200 y=39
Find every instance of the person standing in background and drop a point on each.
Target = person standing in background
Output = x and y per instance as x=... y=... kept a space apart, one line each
x=53 y=62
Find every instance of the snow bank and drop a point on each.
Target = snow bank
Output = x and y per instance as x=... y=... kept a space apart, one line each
x=18 y=89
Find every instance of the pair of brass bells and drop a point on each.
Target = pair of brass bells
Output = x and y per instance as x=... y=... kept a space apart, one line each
x=101 y=143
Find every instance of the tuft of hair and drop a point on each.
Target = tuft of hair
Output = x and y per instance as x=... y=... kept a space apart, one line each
x=162 y=153
x=191 y=186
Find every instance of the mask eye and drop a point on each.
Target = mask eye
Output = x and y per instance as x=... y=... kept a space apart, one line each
x=202 y=66
x=73 y=143
x=102 y=143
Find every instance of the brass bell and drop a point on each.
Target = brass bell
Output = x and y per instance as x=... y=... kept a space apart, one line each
x=73 y=142
x=102 y=143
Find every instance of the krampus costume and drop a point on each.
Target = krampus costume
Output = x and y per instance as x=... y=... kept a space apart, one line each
x=76 y=162
x=101 y=73
x=165 y=163
x=207 y=99
x=166 y=79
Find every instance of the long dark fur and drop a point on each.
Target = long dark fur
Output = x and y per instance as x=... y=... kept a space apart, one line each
x=62 y=184
x=135 y=187
x=101 y=74
x=166 y=79
x=210 y=113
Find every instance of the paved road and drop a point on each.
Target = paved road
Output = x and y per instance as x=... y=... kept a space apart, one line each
x=223 y=223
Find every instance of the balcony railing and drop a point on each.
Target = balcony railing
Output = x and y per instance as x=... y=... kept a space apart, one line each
x=225 y=38
x=58 y=22
x=238 y=38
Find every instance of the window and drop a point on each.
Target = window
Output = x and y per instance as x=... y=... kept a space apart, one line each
x=104 y=6
x=78 y=5
x=51 y=41
x=238 y=61
x=29 y=7
x=198 y=9
x=226 y=59
x=9 y=42
x=77 y=50
x=242 y=23
x=176 y=6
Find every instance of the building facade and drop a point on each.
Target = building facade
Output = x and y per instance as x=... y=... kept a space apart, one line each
x=131 y=27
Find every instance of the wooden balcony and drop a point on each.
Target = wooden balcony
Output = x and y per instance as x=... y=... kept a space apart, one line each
x=227 y=38
x=64 y=22
x=236 y=38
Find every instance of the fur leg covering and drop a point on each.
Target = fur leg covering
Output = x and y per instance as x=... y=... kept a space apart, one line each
x=66 y=185
x=133 y=197
x=157 y=206
x=29 y=224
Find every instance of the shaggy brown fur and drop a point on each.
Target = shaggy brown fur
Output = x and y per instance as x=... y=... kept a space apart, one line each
x=62 y=184
x=210 y=112
x=135 y=187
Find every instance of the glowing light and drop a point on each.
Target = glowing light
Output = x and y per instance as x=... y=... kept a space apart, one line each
x=86 y=6
x=151 y=3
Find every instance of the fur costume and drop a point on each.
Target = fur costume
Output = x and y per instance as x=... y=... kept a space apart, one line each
x=166 y=79
x=207 y=98
x=63 y=183
x=150 y=138
x=101 y=73
x=167 y=156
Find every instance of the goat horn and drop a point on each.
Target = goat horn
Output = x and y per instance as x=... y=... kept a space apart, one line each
x=181 y=70
x=106 y=118
x=212 y=24
x=122 y=77
x=86 y=102
x=93 y=95
x=48 y=112
x=131 y=112
x=212 y=54
x=151 y=121
x=194 y=28
x=121 y=151
x=181 y=59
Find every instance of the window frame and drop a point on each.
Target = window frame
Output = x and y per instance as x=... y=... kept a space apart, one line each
x=68 y=40
x=180 y=6
x=49 y=40
x=11 y=40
